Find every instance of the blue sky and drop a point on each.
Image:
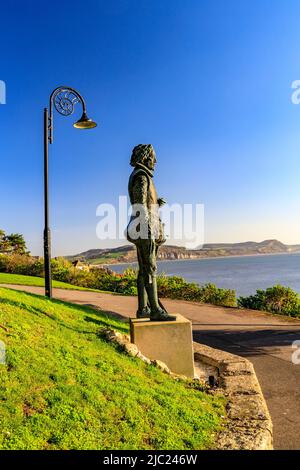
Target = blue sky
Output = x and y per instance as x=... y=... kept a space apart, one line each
x=207 y=83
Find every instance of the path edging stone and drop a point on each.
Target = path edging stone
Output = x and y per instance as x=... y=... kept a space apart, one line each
x=249 y=424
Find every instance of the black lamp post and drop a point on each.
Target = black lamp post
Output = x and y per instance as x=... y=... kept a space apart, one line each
x=64 y=100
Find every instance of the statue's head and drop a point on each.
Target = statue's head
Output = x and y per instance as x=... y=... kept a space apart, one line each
x=143 y=154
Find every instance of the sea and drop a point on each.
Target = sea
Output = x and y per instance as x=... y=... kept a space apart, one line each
x=244 y=274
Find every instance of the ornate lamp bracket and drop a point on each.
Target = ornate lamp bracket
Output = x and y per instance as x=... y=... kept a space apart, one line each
x=64 y=100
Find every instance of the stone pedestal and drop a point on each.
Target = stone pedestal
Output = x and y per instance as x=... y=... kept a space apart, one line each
x=168 y=341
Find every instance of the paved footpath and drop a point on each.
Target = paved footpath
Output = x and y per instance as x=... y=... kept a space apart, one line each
x=264 y=339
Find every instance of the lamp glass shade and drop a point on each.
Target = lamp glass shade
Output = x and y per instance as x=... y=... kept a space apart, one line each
x=85 y=122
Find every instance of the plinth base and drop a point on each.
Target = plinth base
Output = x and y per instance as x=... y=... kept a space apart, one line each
x=167 y=341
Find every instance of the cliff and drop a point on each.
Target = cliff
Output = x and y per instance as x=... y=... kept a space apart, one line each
x=127 y=253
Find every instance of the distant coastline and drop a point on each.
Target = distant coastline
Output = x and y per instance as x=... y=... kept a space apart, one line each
x=204 y=258
x=244 y=274
x=127 y=254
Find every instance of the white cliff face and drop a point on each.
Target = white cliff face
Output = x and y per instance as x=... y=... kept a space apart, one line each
x=173 y=255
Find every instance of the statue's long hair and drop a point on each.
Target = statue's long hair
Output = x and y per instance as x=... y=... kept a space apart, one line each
x=140 y=154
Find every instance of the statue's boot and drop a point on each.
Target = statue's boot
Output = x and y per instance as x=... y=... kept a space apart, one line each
x=161 y=315
x=144 y=313
x=143 y=308
x=157 y=312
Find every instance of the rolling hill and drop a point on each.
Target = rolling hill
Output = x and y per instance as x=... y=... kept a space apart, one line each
x=127 y=253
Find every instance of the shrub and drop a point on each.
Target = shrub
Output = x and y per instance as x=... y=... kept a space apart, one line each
x=20 y=264
x=278 y=299
x=119 y=283
x=174 y=287
x=214 y=295
x=61 y=269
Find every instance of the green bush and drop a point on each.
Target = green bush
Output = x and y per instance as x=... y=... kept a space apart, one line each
x=119 y=283
x=173 y=287
x=278 y=299
x=21 y=264
x=61 y=269
x=214 y=295
x=176 y=287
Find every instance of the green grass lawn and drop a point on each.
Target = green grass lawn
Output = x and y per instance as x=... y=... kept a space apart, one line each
x=63 y=387
x=19 y=279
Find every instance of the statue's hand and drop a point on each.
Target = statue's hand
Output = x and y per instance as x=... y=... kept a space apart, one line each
x=161 y=201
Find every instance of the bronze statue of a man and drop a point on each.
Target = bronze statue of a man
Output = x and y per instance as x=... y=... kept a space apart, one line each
x=145 y=230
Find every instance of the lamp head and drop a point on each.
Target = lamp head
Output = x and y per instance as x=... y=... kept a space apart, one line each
x=85 y=122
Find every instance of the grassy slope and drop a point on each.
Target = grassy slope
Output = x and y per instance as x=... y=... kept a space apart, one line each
x=63 y=387
x=105 y=259
x=19 y=279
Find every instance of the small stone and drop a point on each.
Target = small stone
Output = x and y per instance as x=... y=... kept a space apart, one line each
x=143 y=358
x=118 y=336
x=161 y=365
x=131 y=349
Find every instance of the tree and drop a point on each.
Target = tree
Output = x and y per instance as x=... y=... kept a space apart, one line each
x=16 y=243
x=13 y=243
x=3 y=242
x=2 y=235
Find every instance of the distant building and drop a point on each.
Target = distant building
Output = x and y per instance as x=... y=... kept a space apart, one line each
x=81 y=266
